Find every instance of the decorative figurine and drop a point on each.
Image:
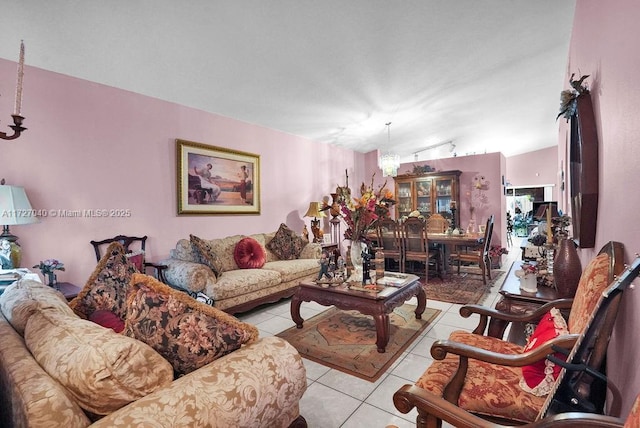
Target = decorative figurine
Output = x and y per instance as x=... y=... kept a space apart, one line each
x=366 y=266
x=323 y=261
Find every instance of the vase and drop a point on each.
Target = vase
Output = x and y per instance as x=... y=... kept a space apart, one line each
x=355 y=251
x=566 y=268
x=51 y=279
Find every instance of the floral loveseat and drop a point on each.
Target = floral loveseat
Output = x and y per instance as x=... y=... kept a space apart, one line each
x=241 y=272
x=177 y=362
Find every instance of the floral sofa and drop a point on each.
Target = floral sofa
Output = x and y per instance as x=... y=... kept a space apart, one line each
x=269 y=268
x=176 y=361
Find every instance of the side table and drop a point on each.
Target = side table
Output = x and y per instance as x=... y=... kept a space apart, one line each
x=515 y=301
x=69 y=290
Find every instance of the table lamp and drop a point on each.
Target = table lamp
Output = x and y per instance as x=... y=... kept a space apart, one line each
x=15 y=209
x=315 y=211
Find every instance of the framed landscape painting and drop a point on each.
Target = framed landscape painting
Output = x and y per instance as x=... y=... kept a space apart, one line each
x=215 y=180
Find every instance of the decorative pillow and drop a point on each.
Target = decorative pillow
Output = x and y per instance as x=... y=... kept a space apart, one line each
x=103 y=370
x=206 y=254
x=107 y=319
x=538 y=378
x=25 y=297
x=187 y=333
x=249 y=254
x=593 y=281
x=286 y=244
x=137 y=259
x=107 y=286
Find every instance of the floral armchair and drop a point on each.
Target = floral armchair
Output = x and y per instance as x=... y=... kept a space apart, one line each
x=482 y=375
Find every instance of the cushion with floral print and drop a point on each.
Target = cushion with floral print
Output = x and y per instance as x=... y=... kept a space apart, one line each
x=206 y=254
x=187 y=333
x=286 y=244
x=107 y=286
x=249 y=254
x=539 y=377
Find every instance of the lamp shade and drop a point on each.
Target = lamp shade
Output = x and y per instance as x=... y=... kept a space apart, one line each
x=315 y=210
x=15 y=207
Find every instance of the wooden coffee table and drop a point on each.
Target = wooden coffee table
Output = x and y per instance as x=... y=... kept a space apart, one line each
x=378 y=303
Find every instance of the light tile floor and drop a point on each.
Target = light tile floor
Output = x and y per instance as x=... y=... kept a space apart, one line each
x=335 y=399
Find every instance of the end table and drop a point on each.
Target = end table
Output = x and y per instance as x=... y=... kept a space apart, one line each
x=69 y=290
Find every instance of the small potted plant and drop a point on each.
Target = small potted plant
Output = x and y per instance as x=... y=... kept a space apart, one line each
x=495 y=254
x=48 y=268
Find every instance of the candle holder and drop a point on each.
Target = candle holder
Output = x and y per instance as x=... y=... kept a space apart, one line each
x=17 y=128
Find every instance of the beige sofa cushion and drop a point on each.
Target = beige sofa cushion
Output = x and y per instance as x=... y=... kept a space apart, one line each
x=25 y=297
x=103 y=370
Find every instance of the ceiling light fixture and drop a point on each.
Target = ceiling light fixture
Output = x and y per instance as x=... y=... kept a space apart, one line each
x=389 y=162
x=433 y=146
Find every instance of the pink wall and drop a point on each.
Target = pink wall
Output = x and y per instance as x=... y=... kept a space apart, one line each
x=604 y=44
x=535 y=169
x=90 y=146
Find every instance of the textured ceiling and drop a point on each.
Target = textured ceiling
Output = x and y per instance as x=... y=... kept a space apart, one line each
x=485 y=74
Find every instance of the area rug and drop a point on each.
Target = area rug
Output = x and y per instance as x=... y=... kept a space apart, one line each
x=346 y=340
x=464 y=289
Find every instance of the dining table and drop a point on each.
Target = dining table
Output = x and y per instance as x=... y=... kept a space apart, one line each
x=451 y=240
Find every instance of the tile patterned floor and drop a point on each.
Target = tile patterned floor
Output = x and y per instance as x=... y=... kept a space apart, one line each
x=335 y=399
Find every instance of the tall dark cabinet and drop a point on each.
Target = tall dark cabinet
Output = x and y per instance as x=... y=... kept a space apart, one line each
x=428 y=193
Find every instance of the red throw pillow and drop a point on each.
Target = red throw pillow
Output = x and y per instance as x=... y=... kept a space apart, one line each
x=249 y=254
x=107 y=319
x=538 y=378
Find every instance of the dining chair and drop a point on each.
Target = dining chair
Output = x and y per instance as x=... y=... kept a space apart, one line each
x=390 y=239
x=479 y=255
x=416 y=245
x=135 y=246
x=436 y=223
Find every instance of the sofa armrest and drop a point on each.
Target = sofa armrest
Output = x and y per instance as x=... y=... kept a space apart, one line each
x=258 y=385
x=188 y=275
x=311 y=251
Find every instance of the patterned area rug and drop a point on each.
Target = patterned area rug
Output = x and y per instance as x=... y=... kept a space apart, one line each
x=464 y=289
x=346 y=340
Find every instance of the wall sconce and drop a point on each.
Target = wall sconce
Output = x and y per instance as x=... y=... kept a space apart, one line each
x=15 y=209
x=17 y=118
x=315 y=211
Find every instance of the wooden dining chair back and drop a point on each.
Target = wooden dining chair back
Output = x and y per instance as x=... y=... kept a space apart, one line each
x=436 y=223
x=390 y=239
x=416 y=245
x=135 y=247
x=479 y=255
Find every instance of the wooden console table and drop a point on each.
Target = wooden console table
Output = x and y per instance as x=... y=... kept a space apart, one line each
x=516 y=301
x=377 y=304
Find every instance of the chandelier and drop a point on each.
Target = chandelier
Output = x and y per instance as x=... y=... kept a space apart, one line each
x=389 y=162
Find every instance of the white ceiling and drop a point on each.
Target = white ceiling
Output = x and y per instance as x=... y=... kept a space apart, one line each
x=485 y=74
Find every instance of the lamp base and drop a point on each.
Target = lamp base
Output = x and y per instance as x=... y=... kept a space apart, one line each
x=10 y=254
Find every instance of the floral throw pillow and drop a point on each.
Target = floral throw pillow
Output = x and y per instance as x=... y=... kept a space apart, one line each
x=187 y=333
x=539 y=377
x=206 y=254
x=286 y=244
x=107 y=286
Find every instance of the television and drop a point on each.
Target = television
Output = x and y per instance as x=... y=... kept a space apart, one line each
x=536 y=208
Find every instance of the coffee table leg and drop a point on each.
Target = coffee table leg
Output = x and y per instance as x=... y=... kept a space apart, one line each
x=295 y=311
x=382 y=331
x=422 y=302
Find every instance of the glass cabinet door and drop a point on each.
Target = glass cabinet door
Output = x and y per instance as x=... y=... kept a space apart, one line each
x=423 y=196
x=444 y=195
x=405 y=198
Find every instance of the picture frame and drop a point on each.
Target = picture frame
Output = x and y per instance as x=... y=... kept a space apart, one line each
x=216 y=180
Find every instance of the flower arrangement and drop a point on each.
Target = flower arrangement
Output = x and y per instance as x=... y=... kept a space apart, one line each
x=361 y=213
x=49 y=266
x=529 y=268
x=560 y=224
x=497 y=251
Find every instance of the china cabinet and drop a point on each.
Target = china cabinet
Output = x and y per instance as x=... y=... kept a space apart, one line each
x=429 y=193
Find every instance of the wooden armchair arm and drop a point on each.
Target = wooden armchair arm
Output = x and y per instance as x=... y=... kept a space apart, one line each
x=486 y=313
x=441 y=348
x=159 y=270
x=427 y=404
